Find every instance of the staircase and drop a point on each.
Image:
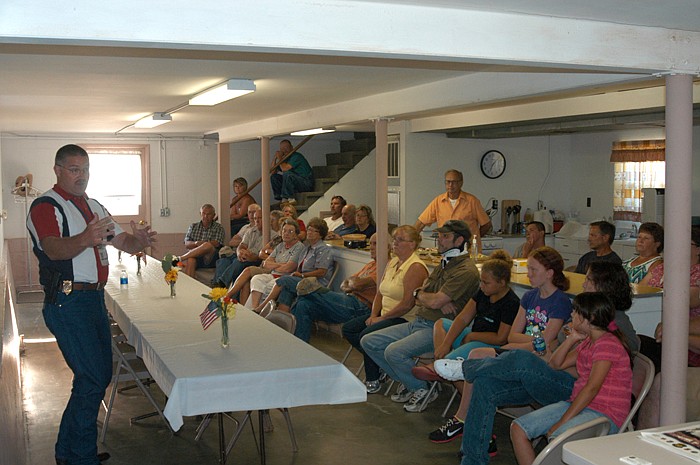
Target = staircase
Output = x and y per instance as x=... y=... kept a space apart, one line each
x=337 y=165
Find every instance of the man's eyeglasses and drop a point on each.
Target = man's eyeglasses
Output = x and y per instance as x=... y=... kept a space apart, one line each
x=399 y=239
x=76 y=171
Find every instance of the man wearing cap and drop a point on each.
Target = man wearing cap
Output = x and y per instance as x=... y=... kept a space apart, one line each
x=455 y=204
x=70 y=233
x=446 y=291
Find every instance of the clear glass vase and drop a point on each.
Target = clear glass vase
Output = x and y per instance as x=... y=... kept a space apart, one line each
x=172 y=290
x=224 y=331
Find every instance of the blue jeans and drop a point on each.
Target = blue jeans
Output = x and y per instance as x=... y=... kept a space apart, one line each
x=332 y=307
x=81 y=327
x=355 y=329
x=286 y=184
x=394 y=349
x=537 y=423
x=289 y=289
x=515 y=377
x=228 y=269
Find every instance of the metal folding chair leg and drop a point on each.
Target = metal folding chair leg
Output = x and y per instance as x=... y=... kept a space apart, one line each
x=449 y=404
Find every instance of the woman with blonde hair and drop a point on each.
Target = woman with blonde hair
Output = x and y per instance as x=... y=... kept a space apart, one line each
x=394 y=298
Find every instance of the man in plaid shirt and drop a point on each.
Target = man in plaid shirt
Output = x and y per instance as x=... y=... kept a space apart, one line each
x=203 y=241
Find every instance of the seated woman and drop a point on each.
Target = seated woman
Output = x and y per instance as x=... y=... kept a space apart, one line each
x=649 y=245
x=602 y=360
x=239 y=205
x=652 y=347
x=545 y=306
x=520 y=377
x=394 y=298
x=317 y=262
x=492 y=311
x=364 y=221
x=283 y=260
x=290 y=211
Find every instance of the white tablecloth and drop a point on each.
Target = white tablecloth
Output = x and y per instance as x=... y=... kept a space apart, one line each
x=264 y=367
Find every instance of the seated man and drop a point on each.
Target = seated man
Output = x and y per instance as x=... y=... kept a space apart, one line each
x=224 y=262
x=294 y=174
x=534 y=235
x=338 y=307
x=348 y=226
x=246 y=253
x=446 y=292
x=600 y=237
x=335 y=220
x=203 y=241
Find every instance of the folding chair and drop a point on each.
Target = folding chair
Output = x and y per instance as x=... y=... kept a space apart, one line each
x=642 y=378
x=128 y=369
x=551 y=454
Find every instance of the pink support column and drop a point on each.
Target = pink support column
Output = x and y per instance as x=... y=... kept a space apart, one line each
x=265 y=186
x=224 y=167
x=382 y=175
x=679 y=144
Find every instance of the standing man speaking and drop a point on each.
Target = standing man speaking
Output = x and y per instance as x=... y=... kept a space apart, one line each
x=455 y=204
x=70 y=233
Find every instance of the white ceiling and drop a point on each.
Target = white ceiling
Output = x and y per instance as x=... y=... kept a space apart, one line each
x=52 y=87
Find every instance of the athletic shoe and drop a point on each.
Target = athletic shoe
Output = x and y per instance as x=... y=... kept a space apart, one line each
x=451 y=370
x=450 y=431
x=373 y=387
x=402 y=394
x=493 y=450
x=425 y=373
x=415 y=403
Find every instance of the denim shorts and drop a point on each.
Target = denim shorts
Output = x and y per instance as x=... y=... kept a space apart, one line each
x=537 y=423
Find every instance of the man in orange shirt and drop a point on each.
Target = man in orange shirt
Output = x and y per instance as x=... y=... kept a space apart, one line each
x=455 y=204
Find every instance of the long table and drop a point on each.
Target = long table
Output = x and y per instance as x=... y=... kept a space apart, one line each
x=607 y=450
x=263 y=368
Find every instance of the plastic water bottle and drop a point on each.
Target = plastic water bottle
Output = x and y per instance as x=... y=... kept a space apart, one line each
x=474 y=252
x=123 y=279
x=538 y=341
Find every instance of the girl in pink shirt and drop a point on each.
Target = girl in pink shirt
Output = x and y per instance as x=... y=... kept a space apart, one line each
x=604 y=383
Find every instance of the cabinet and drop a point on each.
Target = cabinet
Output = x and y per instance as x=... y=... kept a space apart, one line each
x=571 y=249
x=625 y=248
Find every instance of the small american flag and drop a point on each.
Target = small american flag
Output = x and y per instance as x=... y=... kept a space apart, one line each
x=208 y=316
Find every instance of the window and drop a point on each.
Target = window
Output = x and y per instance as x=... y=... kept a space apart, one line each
x=119 y=181
x=638 y=164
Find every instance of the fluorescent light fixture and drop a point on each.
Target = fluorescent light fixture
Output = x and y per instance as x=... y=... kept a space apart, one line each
x=310 y=132
x=230 y=89
x=151 y=121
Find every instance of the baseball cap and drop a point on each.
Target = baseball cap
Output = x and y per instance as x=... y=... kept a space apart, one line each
x=458 y=227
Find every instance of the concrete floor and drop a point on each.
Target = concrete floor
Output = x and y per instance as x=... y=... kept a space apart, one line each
x=378 y=431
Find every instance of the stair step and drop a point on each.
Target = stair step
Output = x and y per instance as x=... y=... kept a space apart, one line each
x=346 y=158
x=331 y=171
x=323 y=184
x=357 y=145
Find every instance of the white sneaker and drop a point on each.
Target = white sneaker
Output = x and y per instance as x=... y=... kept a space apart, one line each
x=402 y=394
x=417 y=402
x=451 y=370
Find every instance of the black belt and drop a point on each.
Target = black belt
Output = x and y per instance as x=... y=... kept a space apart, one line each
x=70 y=286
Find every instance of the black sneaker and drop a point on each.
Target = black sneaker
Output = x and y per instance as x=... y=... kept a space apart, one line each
x=450 y=431
x=493 y=450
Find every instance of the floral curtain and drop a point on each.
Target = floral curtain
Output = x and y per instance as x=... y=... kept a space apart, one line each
x=638 y=164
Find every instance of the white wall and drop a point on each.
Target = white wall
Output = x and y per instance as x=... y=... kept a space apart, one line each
x=537 y=168
x=190 y=174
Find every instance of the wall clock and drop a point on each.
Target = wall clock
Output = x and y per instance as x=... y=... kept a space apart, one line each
x=493 y=164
